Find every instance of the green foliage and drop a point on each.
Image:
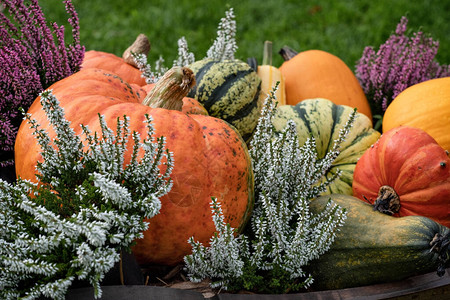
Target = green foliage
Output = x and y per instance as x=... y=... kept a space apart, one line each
x=343 y=28
x=275 y=281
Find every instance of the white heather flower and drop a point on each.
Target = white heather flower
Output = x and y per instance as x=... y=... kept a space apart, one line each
x=184 y=56
x=285 y=234
x=141 y=61
x=105 y=206
x=224 y=45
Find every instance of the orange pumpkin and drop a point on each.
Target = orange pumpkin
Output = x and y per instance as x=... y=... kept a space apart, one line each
x=123 y=66
x=114 y=64
x=425 y=105
x=211 y=158
x=405 y=173
x=319 y=74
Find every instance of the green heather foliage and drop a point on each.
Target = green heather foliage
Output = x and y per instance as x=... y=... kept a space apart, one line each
x=87 y=208
x=283 y=235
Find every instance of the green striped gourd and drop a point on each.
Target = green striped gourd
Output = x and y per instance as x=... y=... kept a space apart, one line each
x=322 y=119
x=372 y=247
x=229 y=90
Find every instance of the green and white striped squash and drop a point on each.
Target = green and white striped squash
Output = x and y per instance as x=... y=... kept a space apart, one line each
x=372 y=247
x=322 y=119
x=228 y=90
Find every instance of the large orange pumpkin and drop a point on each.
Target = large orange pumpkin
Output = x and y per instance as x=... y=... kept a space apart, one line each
x=211 y=158
x=425 y=105
x=405 y=173
x=319 y=74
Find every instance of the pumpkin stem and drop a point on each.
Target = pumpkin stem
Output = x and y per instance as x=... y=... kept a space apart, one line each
x=267 y=54
x=287 y=53
x=440 y=245
x=388 y=202
x=170 y=90
x=253 y=63
x=140 y=46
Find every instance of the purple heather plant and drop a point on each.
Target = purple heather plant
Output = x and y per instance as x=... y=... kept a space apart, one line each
x=400 y=62
x=33 y=56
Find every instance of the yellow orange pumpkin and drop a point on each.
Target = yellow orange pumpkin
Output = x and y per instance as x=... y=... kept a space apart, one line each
x=425 y=105
x=270 y=75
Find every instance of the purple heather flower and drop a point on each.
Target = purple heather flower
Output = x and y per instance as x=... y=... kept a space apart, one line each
x=33 y=55
x=400 y=62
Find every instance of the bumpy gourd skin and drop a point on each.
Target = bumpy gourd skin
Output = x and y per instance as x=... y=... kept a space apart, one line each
x=322 y=119
x=372 y=247
x=229 y=90
x=211 y=160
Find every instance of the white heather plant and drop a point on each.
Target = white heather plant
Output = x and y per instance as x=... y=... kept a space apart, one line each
x=283 y=235
x=224 y=45
x=223 y=48
x=184 y=56
x=87 y=208
x=224 y=258
x=141 y=62
x=150 y=76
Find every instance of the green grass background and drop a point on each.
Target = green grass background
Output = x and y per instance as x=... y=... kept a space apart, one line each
x=343 y=28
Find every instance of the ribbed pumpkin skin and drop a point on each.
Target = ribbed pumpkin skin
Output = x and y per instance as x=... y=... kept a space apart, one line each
x=210 y=160
x=319 y=74
x=415 y=166
x=112 y=63
x=229 y=90
x=425 y=105
x=322 y=119
x=372 y=247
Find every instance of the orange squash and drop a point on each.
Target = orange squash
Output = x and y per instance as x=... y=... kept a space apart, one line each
x=211 y=159
x=425 y=105
x=405 y=173
x=319 y=74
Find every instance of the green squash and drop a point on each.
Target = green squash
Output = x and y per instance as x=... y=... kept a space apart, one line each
x=373 y=247
x=322 y=119
x=229 y=90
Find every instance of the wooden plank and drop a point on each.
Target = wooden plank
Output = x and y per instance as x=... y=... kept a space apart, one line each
x=427 y=286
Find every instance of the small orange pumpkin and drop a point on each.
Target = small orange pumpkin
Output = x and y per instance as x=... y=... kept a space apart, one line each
x=114 y=64
x=405 y=173
x=319 y=74
x=123 y=66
